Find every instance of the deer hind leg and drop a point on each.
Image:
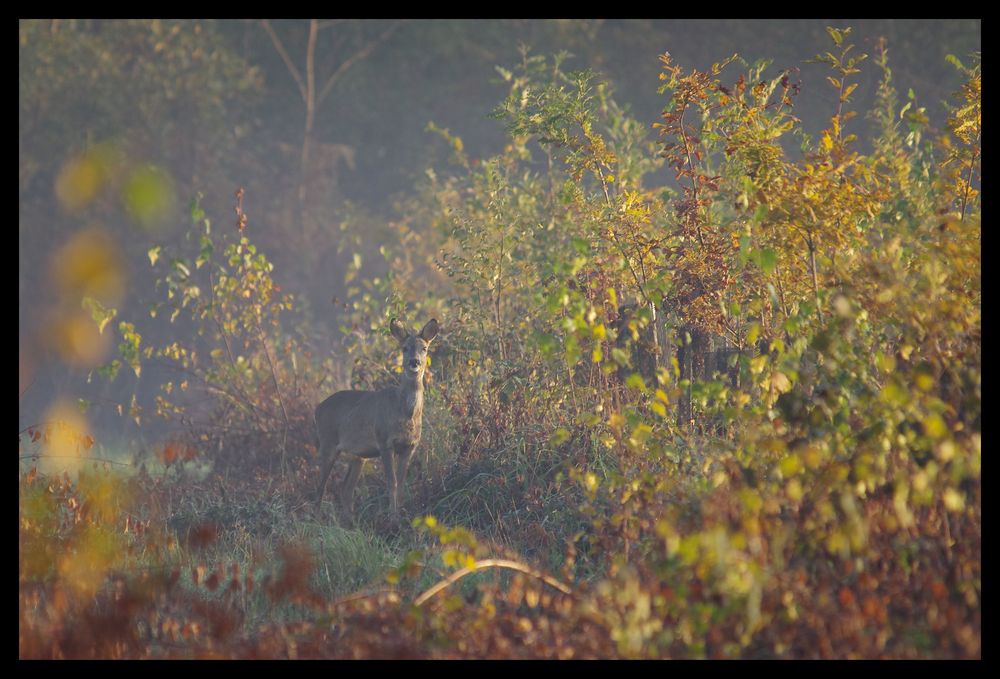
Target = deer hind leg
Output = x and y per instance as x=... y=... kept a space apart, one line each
x=346 y=492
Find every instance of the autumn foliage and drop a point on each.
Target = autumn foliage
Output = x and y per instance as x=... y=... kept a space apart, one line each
x=706 y=387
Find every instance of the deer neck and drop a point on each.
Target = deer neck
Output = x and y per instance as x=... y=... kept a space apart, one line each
x=411 y=396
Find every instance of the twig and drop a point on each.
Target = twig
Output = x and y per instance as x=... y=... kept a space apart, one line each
x=284 y=56
x=358 y=56
x=359 y=597
x=26 y=388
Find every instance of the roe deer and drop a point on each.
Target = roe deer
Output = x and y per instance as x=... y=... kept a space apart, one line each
x=384 y=423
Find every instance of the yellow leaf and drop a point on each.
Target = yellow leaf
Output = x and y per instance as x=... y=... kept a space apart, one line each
x=953 y=500
x=790 y=466
x=780 y=382
x=794 y=490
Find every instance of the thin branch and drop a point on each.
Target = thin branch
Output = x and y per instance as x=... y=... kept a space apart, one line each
x=284 y=57
x=75 y=457
x=781 y=292
x=968 y=183
x=229 y=352
x=27 y=387
x=277 y=389
x=614 y=237
x=499 y=290
x=358 y=56
x=241 y=400
x=694 y=178
x=38 y=425
x=815 y=277
x=491 y=563
x=310 y=72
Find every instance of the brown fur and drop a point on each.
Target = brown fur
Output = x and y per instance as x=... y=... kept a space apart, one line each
x=384 y=423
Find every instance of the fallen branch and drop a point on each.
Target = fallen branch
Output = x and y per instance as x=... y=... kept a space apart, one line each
x=491 y=563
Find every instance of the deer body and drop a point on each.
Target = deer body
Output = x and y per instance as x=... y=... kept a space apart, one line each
x=384 y=423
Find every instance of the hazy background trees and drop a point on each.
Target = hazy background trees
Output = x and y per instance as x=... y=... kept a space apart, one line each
x=326 y=125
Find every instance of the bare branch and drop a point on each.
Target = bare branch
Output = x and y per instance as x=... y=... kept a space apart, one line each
x=284 y=56
x=358 y=56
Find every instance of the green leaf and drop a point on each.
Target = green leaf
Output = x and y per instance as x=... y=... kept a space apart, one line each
x=110 y=371
x=129 y=347
x=619 y=356
x=207 y=248
x=559 y=437
x=547 y=344
x=149 y=195
x=635 y=381
x=640 y=434
x=766 y=259
x=197 y=214
x=101 y=314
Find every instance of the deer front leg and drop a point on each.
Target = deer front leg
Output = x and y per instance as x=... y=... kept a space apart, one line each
x=390 y=478
x=403 y=456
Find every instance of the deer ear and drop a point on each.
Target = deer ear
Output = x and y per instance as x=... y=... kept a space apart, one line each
x=398 y=331
x=430 y=330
